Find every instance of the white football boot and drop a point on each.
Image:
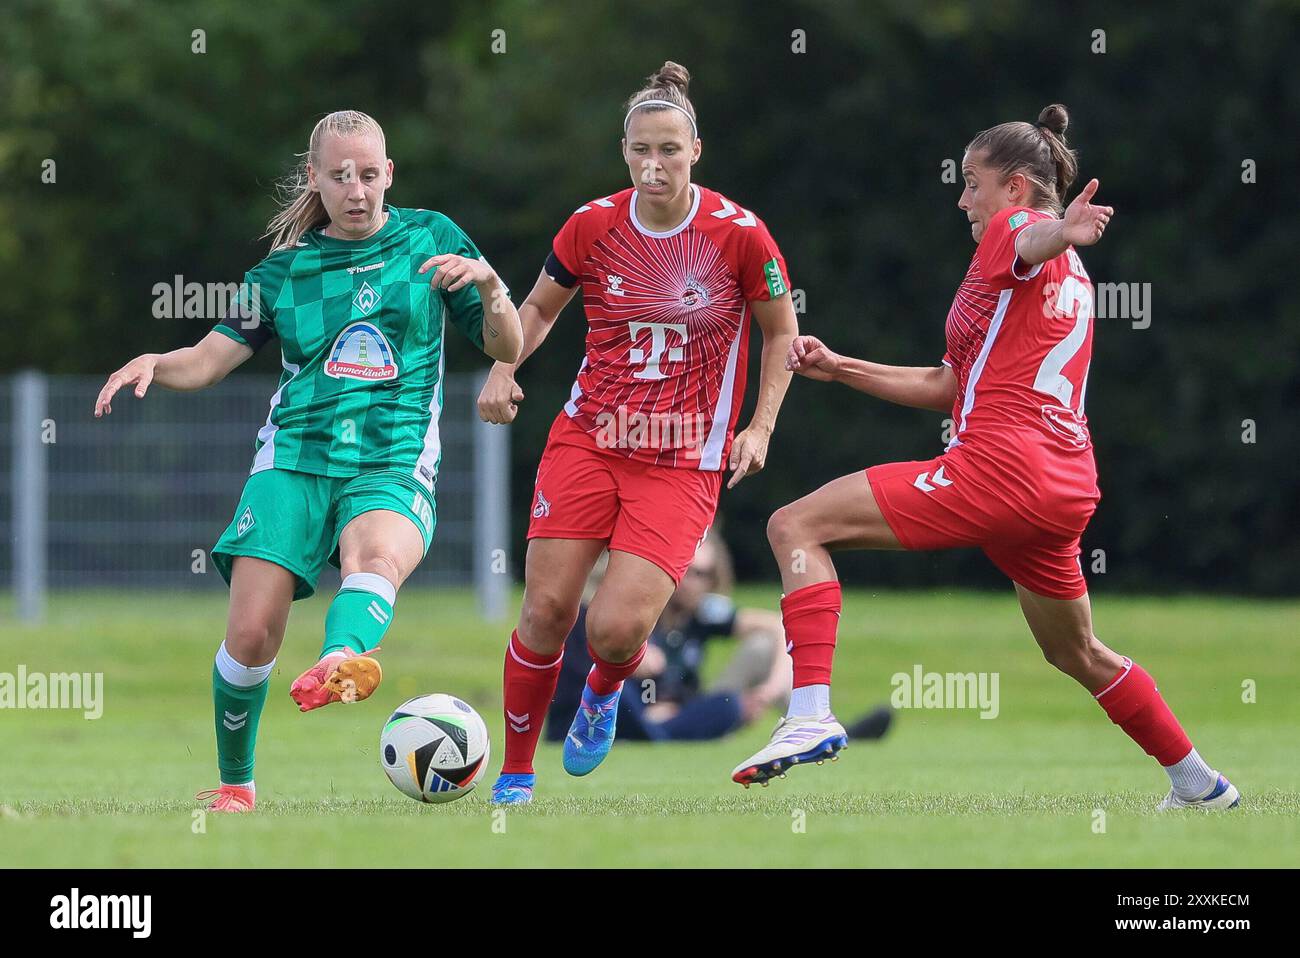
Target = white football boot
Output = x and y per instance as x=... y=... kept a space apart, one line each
x=1223 y=795
x=797 y=740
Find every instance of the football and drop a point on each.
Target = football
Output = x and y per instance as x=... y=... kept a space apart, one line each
x=434 y=748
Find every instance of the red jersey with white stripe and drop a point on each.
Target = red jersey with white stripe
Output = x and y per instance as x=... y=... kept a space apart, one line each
x=1020 y=342
x=667 y=316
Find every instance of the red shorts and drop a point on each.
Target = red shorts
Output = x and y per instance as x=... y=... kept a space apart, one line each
x=962 y=499
x=659 y=513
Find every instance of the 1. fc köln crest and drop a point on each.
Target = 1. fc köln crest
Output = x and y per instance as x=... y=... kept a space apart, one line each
x=361 y=352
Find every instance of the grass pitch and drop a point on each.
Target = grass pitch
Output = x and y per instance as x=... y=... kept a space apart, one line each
x=1048 y=782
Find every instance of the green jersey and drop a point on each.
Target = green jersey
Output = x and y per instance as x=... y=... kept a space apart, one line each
x=361 y=338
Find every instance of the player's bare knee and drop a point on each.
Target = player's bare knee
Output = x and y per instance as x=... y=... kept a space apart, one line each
x=545 y=621
x=382 y=564
x=783 y=528
x=615 y=637
x=252 y=642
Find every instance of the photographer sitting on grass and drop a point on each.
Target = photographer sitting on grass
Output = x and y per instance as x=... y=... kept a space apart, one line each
x=669 y=700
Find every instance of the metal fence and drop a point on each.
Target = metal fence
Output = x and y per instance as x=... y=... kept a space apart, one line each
x=138 y=498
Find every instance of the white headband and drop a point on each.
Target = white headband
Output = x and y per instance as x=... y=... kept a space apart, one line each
x=695 y=135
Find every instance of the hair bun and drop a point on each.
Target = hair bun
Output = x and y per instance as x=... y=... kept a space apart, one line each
x=671 y=74
x=1055 y=118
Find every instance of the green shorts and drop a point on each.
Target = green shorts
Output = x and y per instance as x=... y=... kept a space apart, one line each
x=294 y=519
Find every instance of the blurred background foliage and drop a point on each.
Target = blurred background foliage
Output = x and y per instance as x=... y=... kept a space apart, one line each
x=166 y=159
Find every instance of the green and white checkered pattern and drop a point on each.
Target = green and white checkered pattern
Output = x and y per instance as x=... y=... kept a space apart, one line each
x=361 y=336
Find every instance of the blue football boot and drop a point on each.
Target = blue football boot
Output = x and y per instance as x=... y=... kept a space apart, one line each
x=592 y=733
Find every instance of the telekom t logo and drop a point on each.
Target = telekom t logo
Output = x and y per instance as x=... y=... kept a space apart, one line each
x=659 y=347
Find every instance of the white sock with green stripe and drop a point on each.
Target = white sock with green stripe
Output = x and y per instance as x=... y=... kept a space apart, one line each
x=360 y=613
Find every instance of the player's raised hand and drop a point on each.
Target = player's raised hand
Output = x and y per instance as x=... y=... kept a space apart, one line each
x=138 y=371
x=810 y=357
x=498 y=402
x=748 y=454
x=1084 y=222
x=453 y=271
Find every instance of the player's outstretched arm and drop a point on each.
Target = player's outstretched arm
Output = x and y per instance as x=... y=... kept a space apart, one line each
x=1082 y=225
x=185 y=369
x=501 y=395
x=776 y=320
x=922 y=387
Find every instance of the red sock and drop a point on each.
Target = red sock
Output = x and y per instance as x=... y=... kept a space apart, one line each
x=810 y=616
x=605 y=677
x=1133 y=702
x=528 y=689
